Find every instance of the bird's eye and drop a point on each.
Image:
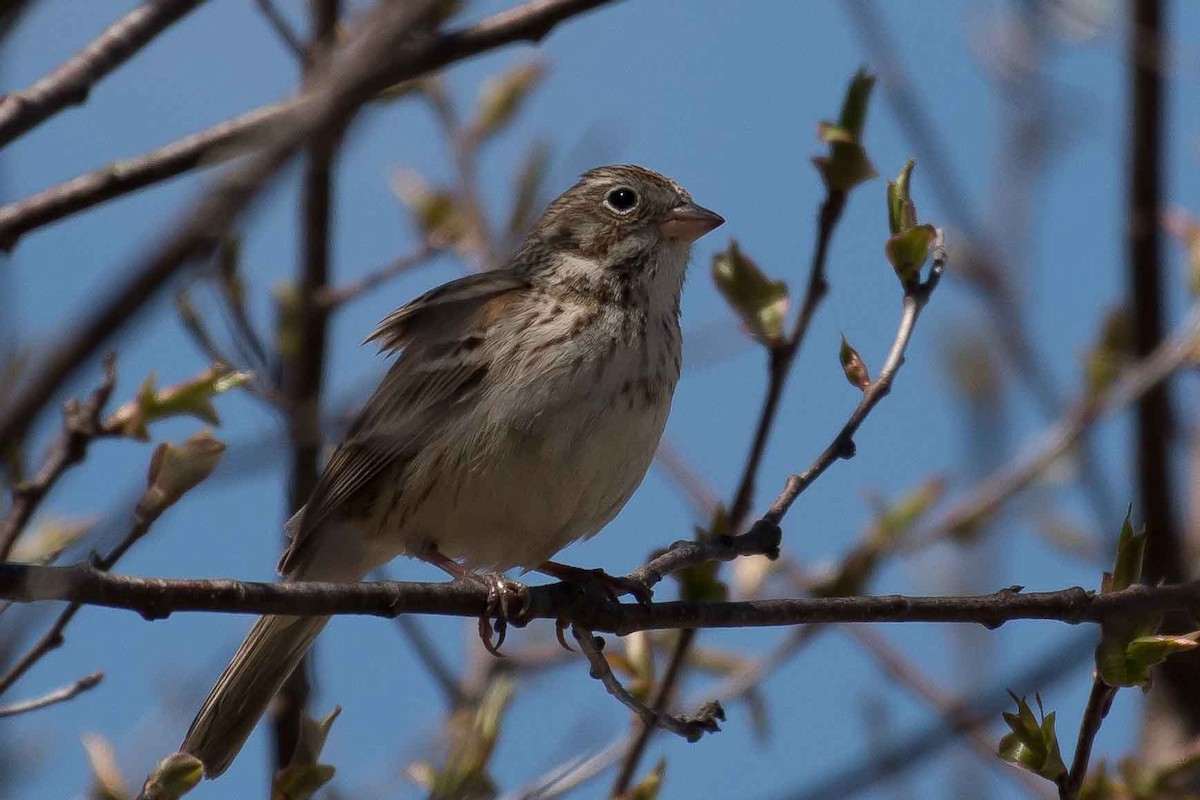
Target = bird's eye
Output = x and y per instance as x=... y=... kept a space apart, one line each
x=621 y=200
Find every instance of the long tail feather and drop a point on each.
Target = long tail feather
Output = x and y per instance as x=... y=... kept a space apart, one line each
x=241 y=696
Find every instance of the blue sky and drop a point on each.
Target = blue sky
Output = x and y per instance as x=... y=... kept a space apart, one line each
x=723 y=97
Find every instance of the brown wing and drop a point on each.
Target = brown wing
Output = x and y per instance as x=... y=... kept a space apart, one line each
x=440 y=373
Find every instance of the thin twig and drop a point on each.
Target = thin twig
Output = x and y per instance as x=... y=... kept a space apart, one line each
x=283 y=30
x=70 y=83
x=842 y=445
x=974 y=732
x=53 y=637
x=331 y=297
x=1099 y=702
x=1044 y=670
x=690 y=728
x=986 y=498
x=377 y=58
x=81 y=425
x=530 y=21
x=60 y=695
x=1005 y=309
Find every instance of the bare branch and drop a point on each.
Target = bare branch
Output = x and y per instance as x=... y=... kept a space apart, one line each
x=974 y=732
x=81 y=424
x=987 y=497
x=1099 y=702
x=60 y=695
x=157 y=598
x=69 y=85
x=330 y=297
x=283 y=30
x=377 y=58
x=843 y=444
x=690 y=728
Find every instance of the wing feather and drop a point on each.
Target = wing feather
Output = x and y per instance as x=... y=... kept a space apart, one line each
x=440 y=371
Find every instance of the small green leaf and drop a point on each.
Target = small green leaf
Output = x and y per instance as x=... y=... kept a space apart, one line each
x=1131 y=547
x=502 y=97
x=437 y=213
x=760 y=302
x=847 y=163
x=47 y=540
x=173 y=777
x=300 y=781
x=190 y=398
x=649 y=786
x=107 y=781
x=902 y=214
x=177 y=469
x=853 y=118
x=854 y=368
x=1032 y=744
x=1112 y=352
x=1123 y=662
x=909 y=250
x=908 y=247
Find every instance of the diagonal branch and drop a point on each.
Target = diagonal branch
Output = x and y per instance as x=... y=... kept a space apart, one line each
x=988 y=496
x=81 y=424
x=690 y=728
x=70 y=83
x=373 y=61
x=59 y=695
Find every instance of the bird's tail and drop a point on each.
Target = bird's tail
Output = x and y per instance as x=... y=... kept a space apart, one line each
x=241 y=696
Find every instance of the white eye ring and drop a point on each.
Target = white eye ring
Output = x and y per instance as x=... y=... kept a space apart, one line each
x=622 y=200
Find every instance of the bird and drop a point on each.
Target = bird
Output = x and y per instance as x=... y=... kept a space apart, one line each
x=521 y=412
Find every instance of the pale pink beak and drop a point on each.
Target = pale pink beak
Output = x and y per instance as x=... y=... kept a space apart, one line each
x=687 y=222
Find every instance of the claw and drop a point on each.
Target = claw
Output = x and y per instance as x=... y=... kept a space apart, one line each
x=560 y=633
x=500 y=592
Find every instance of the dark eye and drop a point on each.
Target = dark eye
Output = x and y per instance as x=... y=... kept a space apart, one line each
x=621 y=200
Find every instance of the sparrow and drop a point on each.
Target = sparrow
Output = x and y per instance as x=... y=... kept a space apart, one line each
x=522 y=410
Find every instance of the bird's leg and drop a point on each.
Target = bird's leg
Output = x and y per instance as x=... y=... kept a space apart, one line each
x=612 y=586
x=501 y=592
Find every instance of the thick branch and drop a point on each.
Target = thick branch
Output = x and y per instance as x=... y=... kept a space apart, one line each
x=376 y=59
x=69 y=85
x=156 y=598
x=303 y=368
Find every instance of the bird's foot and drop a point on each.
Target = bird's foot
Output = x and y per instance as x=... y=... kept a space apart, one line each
x=597 y=584
x=597 y=580
x=507 y=601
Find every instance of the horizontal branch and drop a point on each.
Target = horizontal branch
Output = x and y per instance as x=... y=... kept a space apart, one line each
x=156 y=598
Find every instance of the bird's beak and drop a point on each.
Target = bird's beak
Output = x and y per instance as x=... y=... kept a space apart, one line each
x=687 y=222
